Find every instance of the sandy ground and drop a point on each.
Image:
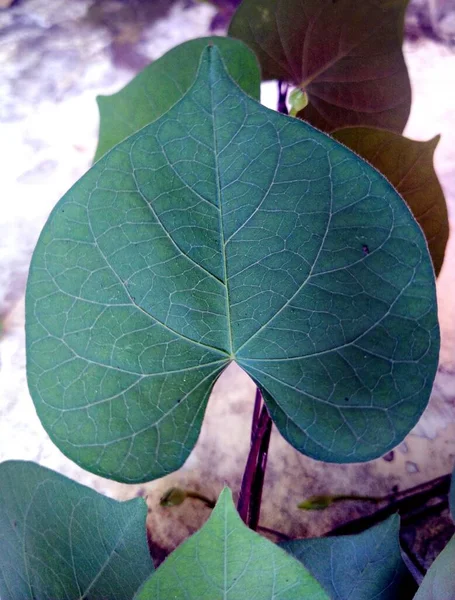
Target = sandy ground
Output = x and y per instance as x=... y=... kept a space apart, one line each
x=48 y=137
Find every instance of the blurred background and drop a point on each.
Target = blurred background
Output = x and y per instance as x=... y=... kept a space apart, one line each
x=56 y=56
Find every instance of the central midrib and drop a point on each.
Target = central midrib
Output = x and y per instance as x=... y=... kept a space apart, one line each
x=220 y=206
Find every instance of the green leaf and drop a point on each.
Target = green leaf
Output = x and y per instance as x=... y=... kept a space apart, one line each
x=228 y=232
x=160 y=85
x=227 y=561
x=61 y=540
x=439 y=582
x=298 y=100
x=345 y=54
x=357 y=567
x=408 y=165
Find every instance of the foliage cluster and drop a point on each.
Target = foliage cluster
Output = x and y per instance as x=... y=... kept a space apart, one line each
x=211 y=229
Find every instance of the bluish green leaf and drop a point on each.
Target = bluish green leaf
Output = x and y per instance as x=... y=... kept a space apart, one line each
x=63 y=541
x=345 y=54
x=357 y=567
x=160 y=85
x=227 y=561
x=227 y=232
x=439 y=582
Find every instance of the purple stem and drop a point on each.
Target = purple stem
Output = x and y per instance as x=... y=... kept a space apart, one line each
x=258 y=482
x=256 y=413
x=282 y=95
x=249 y=504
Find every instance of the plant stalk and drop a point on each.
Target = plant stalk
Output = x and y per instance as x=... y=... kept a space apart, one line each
x=258 y=482
x=408 y=505
x=282 y=95
x=249 y=504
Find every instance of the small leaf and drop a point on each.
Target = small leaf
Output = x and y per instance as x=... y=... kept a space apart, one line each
x=227 y=232
x=160 y=85
x=408 y=165
x=297 y=100
x=173 y=497
x=59 y=539
x=176 y=496
x=357 y=567
x=317 y=502
x=226 y=560
x=439 y=582
x=346 y=55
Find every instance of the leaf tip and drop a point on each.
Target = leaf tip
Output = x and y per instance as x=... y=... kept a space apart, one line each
x=434 y=141
x=226 y=495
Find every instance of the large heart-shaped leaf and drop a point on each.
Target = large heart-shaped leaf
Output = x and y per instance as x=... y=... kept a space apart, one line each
x=225 y=231
x=357 y=567
x=227 y=561
x=439 y=582
x=59 y=539
x=160 y=85
x=345 y=54
x=408 y=165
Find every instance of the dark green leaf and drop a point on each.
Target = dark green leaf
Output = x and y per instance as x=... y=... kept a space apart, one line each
x=225 y=231
x=61 y=540
x=160 y=85
x=357 y=567
x=439 y=582
x=345 y=54
x=408 y=165
x=227 y=561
